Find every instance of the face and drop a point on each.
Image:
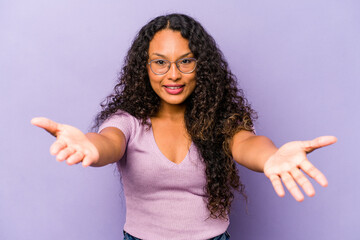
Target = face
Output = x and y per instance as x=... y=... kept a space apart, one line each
x=173 y=87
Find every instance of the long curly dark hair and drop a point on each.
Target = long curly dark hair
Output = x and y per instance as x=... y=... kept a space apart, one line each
x=215 y=111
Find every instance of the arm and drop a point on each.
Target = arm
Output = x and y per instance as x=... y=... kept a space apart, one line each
x=251 y=151
x=258 y=153
x=92 y=149
x=111 y=145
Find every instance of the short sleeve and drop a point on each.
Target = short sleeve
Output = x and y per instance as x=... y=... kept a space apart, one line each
x=122 y=121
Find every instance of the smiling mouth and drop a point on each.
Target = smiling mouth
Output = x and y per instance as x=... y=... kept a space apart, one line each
x=174 y=87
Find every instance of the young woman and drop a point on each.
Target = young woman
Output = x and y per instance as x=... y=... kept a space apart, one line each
x=176 y=124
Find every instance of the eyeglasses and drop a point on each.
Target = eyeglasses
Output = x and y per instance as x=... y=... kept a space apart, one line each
x=162 y=66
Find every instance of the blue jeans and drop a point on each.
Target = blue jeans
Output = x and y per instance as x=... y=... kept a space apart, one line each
x=224 y=236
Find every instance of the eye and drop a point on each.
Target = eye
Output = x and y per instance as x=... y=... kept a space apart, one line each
x=160 y=62
x=186 y=61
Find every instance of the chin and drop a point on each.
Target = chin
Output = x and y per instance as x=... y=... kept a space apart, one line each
x=174 y=102
x=178 y=101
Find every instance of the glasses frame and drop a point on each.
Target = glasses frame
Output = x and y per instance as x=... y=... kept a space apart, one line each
x=176 y=64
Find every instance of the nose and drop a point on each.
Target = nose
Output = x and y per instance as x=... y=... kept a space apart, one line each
x=174 y=73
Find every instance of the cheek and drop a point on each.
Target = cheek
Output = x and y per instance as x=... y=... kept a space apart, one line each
x=155 y=82
x=152 y=76
x=193 y=83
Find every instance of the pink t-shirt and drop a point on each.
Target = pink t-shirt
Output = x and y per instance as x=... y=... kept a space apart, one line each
x=164 y=200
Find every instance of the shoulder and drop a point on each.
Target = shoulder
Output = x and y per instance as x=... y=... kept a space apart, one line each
x=119 y=116
x=123 y=121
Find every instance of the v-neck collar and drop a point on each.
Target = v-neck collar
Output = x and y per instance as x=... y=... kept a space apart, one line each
x=161 y=155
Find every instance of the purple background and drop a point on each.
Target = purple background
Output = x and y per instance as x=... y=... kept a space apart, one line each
x=298 y=62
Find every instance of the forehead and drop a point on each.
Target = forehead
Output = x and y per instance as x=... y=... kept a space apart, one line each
x=169 y=43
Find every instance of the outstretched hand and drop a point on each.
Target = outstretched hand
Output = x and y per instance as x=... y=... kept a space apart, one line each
x=285 y=165
x=71 y=144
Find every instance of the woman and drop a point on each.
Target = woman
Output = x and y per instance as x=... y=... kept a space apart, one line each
x=174 y=125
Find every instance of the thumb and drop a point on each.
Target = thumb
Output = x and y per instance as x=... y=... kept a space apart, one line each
x=318 y=142
x=47 y=124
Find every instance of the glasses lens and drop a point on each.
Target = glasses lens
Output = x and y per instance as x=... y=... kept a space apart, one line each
x=186 y=65
x=159 y=66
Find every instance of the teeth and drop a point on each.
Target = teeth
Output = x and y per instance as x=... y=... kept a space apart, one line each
x=174 y=87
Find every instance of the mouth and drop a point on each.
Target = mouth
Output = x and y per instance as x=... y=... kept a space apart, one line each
x=174 y=89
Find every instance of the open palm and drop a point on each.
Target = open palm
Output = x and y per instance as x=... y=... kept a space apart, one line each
x=285 y=165
x=71 y=144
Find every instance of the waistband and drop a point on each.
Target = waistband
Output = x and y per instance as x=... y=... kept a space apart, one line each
x=224 y=236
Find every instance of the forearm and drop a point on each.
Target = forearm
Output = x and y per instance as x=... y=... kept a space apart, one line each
x=109 y=150
x=252 y=151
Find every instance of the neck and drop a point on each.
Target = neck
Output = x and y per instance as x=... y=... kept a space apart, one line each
x=172 y=112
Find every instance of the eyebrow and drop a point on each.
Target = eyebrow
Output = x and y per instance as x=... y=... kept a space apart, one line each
x=163 y=56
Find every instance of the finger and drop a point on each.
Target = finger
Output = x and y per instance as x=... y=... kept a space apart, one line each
x=303 y=181
x=65 y=154
x=47 y=124
x=57 y=146
x=75 y=158
x=86 y=161
x=319 y=142
x=291 y=186
x=278 y=187
x=313 y=172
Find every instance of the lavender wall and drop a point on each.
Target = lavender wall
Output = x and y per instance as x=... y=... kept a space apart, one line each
x=298 y=63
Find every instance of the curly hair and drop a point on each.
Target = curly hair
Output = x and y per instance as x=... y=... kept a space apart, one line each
x=215 y=111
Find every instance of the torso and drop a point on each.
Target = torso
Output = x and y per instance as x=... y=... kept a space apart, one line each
x=171 y=138
x=164 y=199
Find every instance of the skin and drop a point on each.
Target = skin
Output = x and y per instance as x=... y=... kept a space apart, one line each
x=258 y=153
x=170 y=45
x=169 y=126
